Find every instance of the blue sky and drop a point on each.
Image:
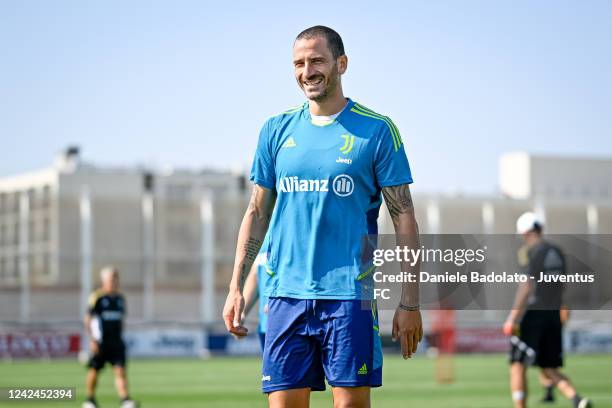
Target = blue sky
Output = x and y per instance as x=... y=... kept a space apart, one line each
x=189 y=83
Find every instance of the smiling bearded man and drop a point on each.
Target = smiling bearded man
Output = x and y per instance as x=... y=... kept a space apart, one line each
x=319 y=171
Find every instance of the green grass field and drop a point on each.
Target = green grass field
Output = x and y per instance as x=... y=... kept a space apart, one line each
x=481 y=382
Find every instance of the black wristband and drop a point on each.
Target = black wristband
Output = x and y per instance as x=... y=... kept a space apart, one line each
x=409 y=308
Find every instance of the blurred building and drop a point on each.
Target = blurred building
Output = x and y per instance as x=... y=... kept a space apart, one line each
x=41 y=238
x=523 y=176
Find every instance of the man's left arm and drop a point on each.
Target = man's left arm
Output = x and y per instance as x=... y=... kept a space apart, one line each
x=407 y=323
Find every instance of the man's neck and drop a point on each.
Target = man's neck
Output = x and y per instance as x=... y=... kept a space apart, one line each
x=330 y=106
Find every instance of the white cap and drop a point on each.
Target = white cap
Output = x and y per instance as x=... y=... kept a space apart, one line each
x=528 y=221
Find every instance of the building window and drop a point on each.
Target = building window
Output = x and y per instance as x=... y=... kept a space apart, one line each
x=8 y=270
x=586 y=191
x=16 y=234
x=178 y=191
x=45 y=196
x=11 y=269
x=11 y=203
x=39 y=266
x=32 y=230
x=46 y=230
x=32 y=201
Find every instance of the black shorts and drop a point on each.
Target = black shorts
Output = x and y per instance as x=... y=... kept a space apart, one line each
x=540 y=341
x=113 y=353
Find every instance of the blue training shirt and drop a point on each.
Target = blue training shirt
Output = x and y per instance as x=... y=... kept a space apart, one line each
x=328 y=181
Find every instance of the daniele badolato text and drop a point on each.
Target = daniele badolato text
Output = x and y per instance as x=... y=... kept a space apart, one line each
x=458 y=257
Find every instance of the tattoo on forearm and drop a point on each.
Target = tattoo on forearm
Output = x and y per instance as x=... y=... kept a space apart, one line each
x=255 y=222
x=251 y=249
x=244 y=272
x=398 y=199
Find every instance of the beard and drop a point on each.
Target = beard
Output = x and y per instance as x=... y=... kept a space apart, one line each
x=330 y=82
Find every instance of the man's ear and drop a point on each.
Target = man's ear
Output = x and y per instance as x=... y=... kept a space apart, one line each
x=342 y=64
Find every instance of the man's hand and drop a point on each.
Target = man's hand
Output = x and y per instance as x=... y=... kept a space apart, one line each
x=408 y=328
x=510 y=327
x=94 y=347
x=232 y=312
x=564 y=314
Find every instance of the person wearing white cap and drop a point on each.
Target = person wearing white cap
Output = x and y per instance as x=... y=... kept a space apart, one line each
x=534 y=323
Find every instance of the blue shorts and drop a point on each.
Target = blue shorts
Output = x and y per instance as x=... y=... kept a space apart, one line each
x=308 y=341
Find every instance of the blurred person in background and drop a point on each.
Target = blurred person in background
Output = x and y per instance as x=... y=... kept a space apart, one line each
x=104 y=328
x=534 y=324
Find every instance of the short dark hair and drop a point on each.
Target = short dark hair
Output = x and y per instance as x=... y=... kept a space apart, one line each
x=334 y=41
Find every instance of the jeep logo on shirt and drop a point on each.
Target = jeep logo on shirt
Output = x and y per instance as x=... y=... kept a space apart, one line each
x=342 y=185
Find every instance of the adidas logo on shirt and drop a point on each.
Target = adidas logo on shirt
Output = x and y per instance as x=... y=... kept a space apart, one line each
x=289 y=143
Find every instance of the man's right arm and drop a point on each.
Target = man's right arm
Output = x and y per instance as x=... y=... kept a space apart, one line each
x=250 y=238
